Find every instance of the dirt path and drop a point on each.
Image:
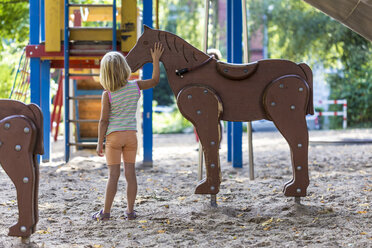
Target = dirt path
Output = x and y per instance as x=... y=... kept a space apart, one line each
x=336 y=212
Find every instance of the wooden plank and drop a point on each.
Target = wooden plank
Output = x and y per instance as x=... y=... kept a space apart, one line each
x=88 y=84
x=84 y=144
x=91 y=34
x=336 y=9
x=97 y=14
x=355 y=14
x=128 y=27
x=360 y=20
x=78 y=5
x=52 y=26
x=89 y=110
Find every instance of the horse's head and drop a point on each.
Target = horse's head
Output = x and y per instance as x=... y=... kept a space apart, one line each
x=140 y=53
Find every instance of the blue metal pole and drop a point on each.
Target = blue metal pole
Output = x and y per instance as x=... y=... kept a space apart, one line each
x=35 y=40
x=35 y=62
x=35 y=80
x=114 y=26
x=147 y=95
x=229 y=59
x=67 y=88
x=45 y=106
x=42 y=19
x=265 y=38
x=237 y=55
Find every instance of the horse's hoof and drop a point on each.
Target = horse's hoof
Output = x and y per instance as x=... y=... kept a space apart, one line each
x=293 y=189
x=20 y=231
x=287 y=183
x=205 y=187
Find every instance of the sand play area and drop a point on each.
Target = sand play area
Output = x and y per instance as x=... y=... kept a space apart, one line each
x=336 y=212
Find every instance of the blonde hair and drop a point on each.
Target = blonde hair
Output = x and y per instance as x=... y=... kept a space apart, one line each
x=114 y=71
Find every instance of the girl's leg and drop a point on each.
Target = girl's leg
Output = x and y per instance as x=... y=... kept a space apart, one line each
x=113 y=159
x=129 y=157
x=130 y=176
x=111 y=187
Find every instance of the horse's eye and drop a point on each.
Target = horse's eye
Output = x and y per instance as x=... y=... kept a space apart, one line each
x=145 y=43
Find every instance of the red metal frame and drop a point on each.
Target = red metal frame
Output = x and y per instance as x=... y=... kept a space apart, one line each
x=56 y=58
x=57 y=106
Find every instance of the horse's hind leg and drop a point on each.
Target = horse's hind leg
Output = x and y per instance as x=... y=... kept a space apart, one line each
x=286 y=102
x=36 y=191
x=203 y=108
x=18 y=136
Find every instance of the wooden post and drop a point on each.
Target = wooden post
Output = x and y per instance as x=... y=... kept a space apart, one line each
x=246 y=60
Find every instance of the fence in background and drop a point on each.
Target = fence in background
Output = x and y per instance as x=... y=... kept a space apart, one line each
x=342 y=113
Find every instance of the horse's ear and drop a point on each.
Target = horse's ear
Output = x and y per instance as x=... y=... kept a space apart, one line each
x=145 y=27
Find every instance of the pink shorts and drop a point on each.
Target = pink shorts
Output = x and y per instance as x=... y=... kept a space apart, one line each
x=121 y=144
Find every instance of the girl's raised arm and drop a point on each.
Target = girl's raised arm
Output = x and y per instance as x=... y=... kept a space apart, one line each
x=155 y=54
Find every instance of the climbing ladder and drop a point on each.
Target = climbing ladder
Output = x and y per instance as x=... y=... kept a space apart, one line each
x=21 y=85
x=72 y=96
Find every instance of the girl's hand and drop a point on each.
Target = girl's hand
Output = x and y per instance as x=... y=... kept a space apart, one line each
x=157 y=51
x=100 y=150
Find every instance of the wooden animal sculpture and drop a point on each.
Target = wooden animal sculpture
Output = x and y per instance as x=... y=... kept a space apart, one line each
x=21 y=138
x=208 y=90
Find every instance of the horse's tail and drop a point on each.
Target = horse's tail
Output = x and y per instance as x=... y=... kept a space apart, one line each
x=309 y=79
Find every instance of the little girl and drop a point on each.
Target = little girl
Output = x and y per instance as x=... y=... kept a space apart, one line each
x=118 y=124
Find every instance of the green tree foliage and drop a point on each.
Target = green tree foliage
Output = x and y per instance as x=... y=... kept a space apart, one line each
x=171 y=123
x=6 y=77
x=184 y=18
x=299 y=32
x=14 y=30
x=354 y=80
x=163 y=94
x=14 y=22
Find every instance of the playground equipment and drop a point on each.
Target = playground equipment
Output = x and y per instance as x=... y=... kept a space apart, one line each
x=21 y=84
x=78 y=50
x=87 y=45
x=208 y=90
x=21 y=139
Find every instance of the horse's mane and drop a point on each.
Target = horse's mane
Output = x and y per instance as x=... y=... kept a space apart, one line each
x=175 y=43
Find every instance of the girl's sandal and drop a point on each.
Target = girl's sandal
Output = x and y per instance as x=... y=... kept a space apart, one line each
x=100 y=216
x=131 y=216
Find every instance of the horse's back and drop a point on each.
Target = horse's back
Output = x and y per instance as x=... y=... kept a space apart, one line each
x=31 y=111
x=243 y=99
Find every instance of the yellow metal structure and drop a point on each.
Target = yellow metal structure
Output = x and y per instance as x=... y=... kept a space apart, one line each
x=128 y=27
x=54 y=35
x=53 y=25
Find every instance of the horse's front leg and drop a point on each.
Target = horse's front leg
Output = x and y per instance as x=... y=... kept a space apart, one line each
x=201 y=106
x=18 y=137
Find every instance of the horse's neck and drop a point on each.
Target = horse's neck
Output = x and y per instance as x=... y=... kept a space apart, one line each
x=176 y=61
x=181 y=54
x=178 y=55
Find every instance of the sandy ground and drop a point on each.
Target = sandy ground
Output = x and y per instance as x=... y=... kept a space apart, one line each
x=336 y=212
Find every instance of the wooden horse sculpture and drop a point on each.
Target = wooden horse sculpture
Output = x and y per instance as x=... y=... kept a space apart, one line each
x=21 y=138
x=208 y=90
